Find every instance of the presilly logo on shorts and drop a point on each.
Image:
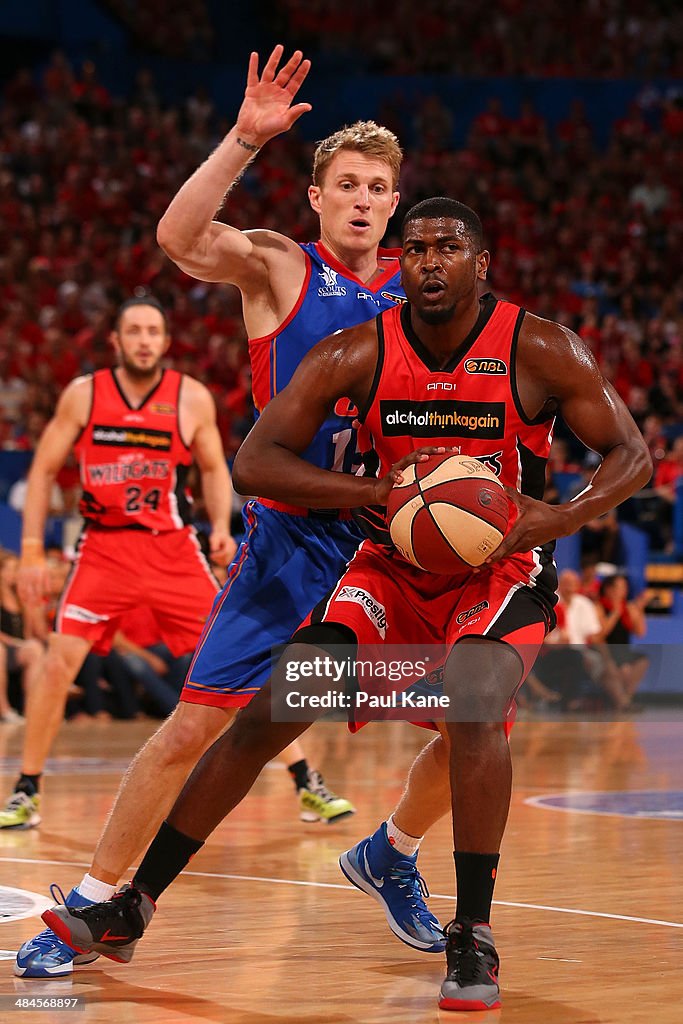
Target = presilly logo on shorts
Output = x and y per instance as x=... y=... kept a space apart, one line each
x=375 y=611
x=442 y=418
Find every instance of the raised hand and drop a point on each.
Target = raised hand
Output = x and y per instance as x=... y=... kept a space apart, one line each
x=267 y=109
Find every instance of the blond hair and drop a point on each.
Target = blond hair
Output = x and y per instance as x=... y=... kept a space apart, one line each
x=362 y=137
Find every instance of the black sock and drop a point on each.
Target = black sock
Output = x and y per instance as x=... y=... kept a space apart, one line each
x=475 y=875
x=299 y=773
x=168 y=854
x=29 y=784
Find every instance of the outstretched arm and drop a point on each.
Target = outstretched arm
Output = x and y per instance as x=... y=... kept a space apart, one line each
x=565 y=378
x=212 y=251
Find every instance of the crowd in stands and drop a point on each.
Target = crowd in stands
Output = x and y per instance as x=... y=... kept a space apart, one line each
x=176 y=30
x=595 y=38
x=589 y=661
x=585 y=235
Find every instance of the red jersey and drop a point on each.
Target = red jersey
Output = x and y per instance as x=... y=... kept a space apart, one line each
x=471 y=404
x=133 y=462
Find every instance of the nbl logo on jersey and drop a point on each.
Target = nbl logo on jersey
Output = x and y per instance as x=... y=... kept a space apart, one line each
x=493 y=367
x=443 y=419
x=329 y=286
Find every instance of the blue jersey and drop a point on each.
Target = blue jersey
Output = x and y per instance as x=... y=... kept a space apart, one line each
x=331 y=299
x=289 y=558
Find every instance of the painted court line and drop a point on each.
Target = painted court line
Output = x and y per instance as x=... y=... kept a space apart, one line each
x=540 y=802
x=339 y=885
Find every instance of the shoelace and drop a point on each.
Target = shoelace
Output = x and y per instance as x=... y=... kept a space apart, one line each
x=317 y=786
x=60 y=897
x=120 y=904
x=17 y=801
x=468 y=966
x=406 y=874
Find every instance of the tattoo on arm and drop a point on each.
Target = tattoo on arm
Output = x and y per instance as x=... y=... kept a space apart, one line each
x=247 y=145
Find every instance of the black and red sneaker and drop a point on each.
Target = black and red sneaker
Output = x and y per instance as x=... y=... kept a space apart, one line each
x=112 y=928
x=472 y=964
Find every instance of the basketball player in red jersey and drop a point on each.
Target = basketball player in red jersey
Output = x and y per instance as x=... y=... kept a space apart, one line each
x=135 y=430
x=444 y=333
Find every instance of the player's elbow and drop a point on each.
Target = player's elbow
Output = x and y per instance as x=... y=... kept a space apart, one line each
x=245 y=471
x=167 y=238
x=642 y=467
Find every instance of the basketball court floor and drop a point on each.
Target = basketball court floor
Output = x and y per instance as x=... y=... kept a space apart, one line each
x=265 y=930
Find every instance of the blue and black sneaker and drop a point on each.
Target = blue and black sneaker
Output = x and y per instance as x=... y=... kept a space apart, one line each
x=46 y=956
x=392 y=878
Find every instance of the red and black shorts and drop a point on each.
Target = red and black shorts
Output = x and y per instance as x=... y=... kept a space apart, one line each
x=117 y=571
x=386 y=601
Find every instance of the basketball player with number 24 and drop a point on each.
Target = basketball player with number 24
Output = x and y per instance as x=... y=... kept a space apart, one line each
x=508 y=373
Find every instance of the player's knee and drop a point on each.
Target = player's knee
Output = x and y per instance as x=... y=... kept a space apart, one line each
x=187 y=734
x=480 y=680
x=59 y=669
x=484 y=702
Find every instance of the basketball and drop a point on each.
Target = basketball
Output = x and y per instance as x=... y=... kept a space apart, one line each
x=449 y=514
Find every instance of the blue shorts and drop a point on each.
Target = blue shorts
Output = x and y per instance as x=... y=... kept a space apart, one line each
x=284 y=566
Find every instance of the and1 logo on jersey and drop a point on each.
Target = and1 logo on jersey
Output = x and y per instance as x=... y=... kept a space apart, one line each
x=329 y=286
x=369 y=298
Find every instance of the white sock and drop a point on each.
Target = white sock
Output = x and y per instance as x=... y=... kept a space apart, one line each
x=95 y=890
x=401 y=841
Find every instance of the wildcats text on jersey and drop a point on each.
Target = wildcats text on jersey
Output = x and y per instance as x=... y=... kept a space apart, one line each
x=447 y=417
x=130 y=437
x=121 y=472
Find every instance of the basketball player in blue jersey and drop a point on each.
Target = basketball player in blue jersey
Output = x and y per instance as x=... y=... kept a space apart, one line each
x=293 y=296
